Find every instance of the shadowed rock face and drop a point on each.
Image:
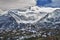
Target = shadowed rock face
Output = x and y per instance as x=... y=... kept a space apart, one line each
x=7 y=22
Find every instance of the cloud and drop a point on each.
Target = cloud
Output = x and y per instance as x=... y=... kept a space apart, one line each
x=12 y=4
x=21 y=4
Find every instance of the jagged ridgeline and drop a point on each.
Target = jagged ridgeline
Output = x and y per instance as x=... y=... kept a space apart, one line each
x=19 y=24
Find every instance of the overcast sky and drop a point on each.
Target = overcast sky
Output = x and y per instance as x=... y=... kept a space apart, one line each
x=9 y=4
x=13 y=4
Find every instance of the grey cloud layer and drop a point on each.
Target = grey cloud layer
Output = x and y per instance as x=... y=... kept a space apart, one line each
x=9 y=4
x=12 y=4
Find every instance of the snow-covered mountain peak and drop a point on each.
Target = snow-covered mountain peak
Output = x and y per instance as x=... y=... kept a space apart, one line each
x=31 y=15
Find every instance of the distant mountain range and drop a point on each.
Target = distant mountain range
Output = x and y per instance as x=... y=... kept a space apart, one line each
x=17 y=18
